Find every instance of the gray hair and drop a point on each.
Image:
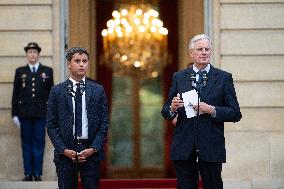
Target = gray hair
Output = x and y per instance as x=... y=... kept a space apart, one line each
x=198 y=38
x=74 y=50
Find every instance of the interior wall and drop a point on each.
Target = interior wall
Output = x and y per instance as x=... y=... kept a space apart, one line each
x=190 y=23
x=82 y=30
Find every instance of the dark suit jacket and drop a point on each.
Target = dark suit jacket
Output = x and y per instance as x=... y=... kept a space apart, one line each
x=60 y=118
x=219 y=92
x=30 y=92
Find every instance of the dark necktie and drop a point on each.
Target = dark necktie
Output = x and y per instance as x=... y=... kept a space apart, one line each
x=33 y=69
x=78 y=111
x=199 y=77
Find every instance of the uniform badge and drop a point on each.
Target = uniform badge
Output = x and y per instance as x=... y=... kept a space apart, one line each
x=23 y=76
x=43 y=76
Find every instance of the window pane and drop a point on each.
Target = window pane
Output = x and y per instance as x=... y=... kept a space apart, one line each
x=151 y=121
x=121 y=149
x=121 y=90
x=151 y=127
x=152 y=150
x=151 y=88
x=121 y=120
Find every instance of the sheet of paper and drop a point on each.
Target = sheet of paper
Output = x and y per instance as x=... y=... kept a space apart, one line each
x=190 y=98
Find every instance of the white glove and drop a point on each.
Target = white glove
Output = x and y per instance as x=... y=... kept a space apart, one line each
x=17 y=121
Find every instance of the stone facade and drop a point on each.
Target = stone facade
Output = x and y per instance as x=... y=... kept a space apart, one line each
x=22 y=21
x=249 y=43
x=248 y=40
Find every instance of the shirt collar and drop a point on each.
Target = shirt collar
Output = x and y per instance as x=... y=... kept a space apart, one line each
x=74 y=82
x=207 y=69
x=36 y=65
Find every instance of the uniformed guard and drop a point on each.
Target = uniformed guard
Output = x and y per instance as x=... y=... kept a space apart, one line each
x=32 y=84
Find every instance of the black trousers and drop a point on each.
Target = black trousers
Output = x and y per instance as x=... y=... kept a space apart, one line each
x=187 y=172
x=67 y=173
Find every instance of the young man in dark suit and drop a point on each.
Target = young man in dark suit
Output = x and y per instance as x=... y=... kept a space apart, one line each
x=77 y=124
x=32 y=84
x=198 y=144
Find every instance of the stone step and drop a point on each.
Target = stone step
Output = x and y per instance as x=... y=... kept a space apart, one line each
x=228 y=184
x=28 y=185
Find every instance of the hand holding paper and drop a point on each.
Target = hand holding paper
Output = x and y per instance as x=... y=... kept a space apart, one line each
x=190 y=98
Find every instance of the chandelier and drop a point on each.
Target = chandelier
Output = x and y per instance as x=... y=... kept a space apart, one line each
x=135 y=41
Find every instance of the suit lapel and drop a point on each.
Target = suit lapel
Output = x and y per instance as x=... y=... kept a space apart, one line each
x=87 y=93
x=39 y=68
x=68 y=97
x=188 y=83
x=212 y=80
x=28 y=70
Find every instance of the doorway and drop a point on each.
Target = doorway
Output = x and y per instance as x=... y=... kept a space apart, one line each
x=128 y=153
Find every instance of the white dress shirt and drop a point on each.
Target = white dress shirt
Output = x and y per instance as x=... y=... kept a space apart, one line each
x=84 y=111
x=35 y=65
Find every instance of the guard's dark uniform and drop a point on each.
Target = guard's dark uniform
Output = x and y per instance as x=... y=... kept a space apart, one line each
x=31 y=91
x=29 y=104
